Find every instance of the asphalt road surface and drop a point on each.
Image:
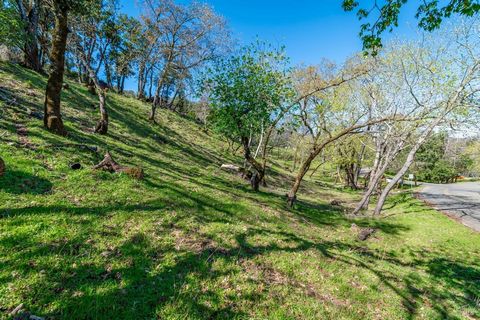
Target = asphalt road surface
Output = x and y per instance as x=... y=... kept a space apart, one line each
x=460 y=201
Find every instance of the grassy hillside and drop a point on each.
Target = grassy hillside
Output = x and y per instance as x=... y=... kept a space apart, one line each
x=193 y=242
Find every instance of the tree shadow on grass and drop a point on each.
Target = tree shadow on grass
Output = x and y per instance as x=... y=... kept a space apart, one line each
x=139 y=285
x=130 y=279
x=20 y=182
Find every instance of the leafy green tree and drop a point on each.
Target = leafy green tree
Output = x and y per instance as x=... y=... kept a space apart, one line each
x=472 y=152
x=431 y=163
x=434 y=165
x=429 y=155
x=246 y=92
x=430 y=15
x=11 y=26
x=20 y=29
x=122 y=53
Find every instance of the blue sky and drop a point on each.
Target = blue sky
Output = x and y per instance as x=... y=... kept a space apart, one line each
x=310 y=29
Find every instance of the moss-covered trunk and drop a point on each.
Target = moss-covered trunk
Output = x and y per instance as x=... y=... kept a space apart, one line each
x=52 y=116
x=2 y=167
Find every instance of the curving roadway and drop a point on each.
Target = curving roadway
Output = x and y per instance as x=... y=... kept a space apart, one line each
x=460 y=201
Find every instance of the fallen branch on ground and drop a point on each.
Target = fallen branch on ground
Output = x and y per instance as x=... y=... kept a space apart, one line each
x=111 y=165
x=363 y=233
x=242 y=172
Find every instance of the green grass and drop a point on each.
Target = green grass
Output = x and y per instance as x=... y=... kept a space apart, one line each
x=193 y=242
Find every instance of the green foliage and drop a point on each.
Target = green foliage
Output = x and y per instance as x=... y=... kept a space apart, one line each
x=433 y=165
x=441 y=172
x=472 y=153
x=11 y=27
x=247 y=90
x=430 y=15
x=123 y=44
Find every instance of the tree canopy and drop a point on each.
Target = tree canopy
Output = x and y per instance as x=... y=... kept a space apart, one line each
x=380 y=17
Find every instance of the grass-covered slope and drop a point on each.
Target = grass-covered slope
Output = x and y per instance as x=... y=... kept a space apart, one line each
x=193 y=242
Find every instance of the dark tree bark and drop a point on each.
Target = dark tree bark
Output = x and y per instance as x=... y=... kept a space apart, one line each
x=162 y=79
x=52 y=117
x=122 y=84
x=2 y=167
x=350 y=172
x=91 y=86
x=156 y=101
x=151 y=84
x=259 y=173
x=79 y=66
x=31 y=50
x=108 y=72
x=292 y=194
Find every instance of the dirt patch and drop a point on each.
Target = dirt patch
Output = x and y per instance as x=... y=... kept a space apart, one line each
x=263 y=273
x=268 y=276
x=197 y=243
x=22 y=134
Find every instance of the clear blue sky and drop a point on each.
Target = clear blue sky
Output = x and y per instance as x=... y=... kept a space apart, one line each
x=310 y=29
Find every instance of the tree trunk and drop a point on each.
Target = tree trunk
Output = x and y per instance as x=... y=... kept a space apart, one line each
x=156 y=101
x=141 y=81
x=2 y=167
x=408 y=162
x=292 y=194
x=259 y=173
x=122 y=84
x=151 y=84
x=358 y=165
x=102 y=125
x=52 y=117
x=31 y=49
x=78 y=64
x=91 y=86
x=153 y=111
x=376 y=163
x=108 y=73
x=160 y=87
x=295 y=157
x=375 y=179
x=378 y=171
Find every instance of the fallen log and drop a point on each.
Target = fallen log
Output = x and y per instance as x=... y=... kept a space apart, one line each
x=111 y=165
x=231 y=167
x=242 y=172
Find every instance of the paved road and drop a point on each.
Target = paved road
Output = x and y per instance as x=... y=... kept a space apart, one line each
x=460 y=201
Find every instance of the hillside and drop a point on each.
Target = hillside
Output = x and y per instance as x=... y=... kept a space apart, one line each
x=190 y=241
